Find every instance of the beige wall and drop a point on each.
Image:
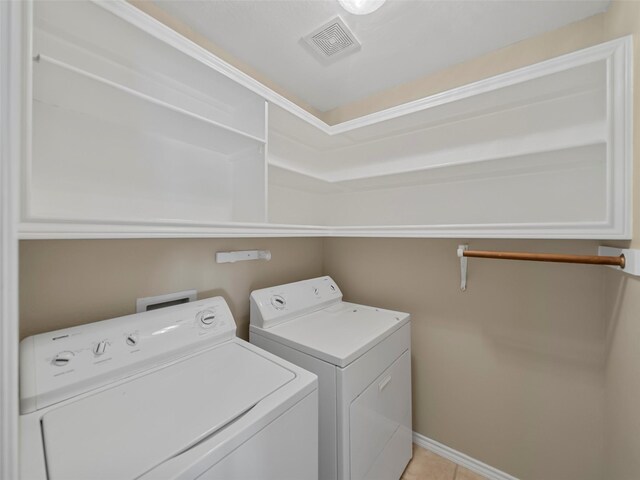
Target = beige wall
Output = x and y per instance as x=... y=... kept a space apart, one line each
x=70 y=282
x=510 y=371
x=622 y=425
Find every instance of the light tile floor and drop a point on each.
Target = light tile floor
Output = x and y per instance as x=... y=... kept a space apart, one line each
x=426 y=465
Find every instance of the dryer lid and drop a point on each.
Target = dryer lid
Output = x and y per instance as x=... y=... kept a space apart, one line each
x=338 y=334
x=128 y=430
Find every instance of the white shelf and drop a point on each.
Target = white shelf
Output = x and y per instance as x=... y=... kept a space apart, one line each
x=127 y=130
x=431 y=167
x=166 y=140
x=85 y=36
x=60 y=85
x=545 y=149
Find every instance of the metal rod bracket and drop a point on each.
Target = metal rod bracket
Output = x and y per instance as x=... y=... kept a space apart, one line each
x=463 y=266
x=622 y=259
x=631 y=258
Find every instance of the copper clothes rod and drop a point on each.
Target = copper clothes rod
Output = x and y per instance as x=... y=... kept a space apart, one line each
x=617 y=261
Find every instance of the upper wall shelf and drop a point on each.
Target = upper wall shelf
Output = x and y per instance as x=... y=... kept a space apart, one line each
x=125 y=129
x=564 y=109
x=544 y=151
x=102 y=98
x=90 y=41
x=138 y=132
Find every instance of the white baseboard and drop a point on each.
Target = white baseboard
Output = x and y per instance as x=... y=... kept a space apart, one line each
x=460 y=458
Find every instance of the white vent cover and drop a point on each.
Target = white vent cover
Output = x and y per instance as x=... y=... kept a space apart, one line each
x=332 y=41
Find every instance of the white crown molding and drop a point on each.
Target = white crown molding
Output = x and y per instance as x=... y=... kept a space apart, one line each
x=476 y=466
x=157 y=29
x=547 y=67
x=154 y=27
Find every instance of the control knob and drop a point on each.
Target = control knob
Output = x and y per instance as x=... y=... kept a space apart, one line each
x=132 y=339
x=62 y=359
x=278 y=302
x=206 y=318
x=99 y=348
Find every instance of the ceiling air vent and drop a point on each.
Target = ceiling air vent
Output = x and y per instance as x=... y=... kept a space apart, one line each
x=332 y=41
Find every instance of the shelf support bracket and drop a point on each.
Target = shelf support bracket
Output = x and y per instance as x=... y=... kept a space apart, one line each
x=463 y=266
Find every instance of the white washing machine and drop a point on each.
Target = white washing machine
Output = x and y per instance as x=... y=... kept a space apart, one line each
x=169 y=393
x=362 y=358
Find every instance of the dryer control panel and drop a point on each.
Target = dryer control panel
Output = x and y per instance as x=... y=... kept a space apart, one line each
x=274 y=305
x=58 y=365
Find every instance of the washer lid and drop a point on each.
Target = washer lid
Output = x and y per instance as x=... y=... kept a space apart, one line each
x=338 y=334
x=127 y=430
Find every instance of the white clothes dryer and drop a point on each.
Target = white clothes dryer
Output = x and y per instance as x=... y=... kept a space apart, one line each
x=169 y=393
x=362 y=357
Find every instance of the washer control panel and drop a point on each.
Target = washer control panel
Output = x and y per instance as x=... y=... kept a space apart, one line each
x=275 y=305
x=58 y=365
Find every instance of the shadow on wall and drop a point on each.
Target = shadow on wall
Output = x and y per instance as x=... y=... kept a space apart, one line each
x=616 y=289
x=622 y=377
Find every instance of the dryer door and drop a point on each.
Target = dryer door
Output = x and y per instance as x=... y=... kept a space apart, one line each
x=129 y=429
x=380 y=424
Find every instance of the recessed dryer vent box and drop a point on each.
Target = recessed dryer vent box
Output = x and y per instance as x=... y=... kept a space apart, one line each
x=170 y=299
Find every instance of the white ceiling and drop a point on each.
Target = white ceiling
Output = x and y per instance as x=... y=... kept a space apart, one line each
x=402 y=41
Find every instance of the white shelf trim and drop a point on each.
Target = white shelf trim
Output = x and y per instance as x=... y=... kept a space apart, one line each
x=75 y=230
x=554 y=142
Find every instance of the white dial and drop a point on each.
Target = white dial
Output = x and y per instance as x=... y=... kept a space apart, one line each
x=132 y=339
x=99 y=348
x=62 y=359
x=206 y=318
x=278 y=302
